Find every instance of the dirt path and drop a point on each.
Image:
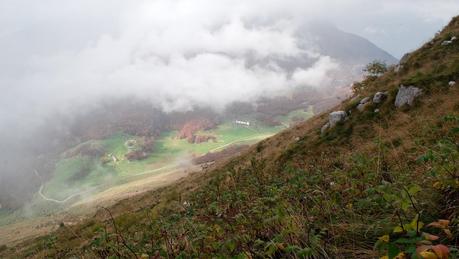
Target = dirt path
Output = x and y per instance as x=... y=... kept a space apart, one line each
x=259 y=137
x=40 y=192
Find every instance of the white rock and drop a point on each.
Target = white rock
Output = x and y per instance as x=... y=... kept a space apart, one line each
x=452 y=83
x=325 y=128
x=365 y=100
x=446 y=43
x=406 y=95
x=336 y=117
x=361 y=107
x=453 y=38
x=379 y=97
x=333 y=119
x=376 y=110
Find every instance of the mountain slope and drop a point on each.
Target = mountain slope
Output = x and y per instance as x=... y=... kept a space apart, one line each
x=302 y=193
x=140 y=117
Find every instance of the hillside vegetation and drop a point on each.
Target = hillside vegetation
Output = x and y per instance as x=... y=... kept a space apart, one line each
x=385 y=182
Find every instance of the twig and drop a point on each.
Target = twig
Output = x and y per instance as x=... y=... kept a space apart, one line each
x=119 y=234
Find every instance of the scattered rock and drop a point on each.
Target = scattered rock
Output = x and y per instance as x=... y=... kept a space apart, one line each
x=448 y=42
x=297 y=139
x=365 y=100
x=406 y=95
x=452 y=83
x=379 y=97
x=363 y=103
x=333 y=119
x=361 y=107
x=336 y=117
x=325 y=128
x=376 y=110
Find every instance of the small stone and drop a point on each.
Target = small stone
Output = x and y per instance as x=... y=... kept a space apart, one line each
x=297 y=139
x=452 y=83
x=361 y=107
x=379 y=97
x=376 y=110
x=365 y=100
x=406 y=95
x=446 y=43
x=325 y=128
x=453 y=38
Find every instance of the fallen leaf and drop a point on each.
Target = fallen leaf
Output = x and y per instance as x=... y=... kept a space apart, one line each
x=441 y=251
x=430 y=237
x=428 y=255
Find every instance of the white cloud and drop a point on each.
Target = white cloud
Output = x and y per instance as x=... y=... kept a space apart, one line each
x=56 y=54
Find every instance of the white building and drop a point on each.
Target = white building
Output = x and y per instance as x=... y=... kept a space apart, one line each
x=244 y=123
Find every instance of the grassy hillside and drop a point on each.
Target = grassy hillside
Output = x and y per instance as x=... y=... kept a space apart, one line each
x=384 y=182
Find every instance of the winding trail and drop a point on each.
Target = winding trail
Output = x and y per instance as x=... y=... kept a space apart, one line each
x=40 y=192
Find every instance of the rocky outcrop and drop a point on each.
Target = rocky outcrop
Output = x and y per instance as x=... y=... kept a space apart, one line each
x=336 y=117
x=333 y=119
x=406 y=95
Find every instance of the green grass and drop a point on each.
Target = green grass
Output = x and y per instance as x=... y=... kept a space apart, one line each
x=81 y=174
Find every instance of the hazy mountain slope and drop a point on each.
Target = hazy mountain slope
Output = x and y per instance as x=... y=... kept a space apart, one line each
x=306 y=194
x=347 y=47
x=39 y=149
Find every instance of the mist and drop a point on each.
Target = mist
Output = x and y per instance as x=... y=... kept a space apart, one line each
x=60 y=59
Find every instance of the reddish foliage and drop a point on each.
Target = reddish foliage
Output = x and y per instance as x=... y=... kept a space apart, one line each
x=190 y=128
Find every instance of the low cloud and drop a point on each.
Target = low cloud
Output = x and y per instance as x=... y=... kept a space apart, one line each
x=56 y=56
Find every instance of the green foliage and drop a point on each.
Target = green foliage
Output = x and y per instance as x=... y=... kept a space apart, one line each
x=375 y=69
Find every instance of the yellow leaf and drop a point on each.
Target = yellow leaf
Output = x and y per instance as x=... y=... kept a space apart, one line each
x=398 y=229
x=428 y=255
x=384 y=238
x=384 y=257
x=401 y=255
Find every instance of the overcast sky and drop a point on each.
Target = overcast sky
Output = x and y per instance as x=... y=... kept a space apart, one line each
x=181 y=52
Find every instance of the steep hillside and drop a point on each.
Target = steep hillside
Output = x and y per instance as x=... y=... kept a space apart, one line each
x=383 y=181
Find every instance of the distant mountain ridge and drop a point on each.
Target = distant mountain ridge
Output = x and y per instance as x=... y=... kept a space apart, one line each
x=344 y=46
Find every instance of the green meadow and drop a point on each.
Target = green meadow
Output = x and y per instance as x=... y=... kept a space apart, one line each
x=80 y=175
